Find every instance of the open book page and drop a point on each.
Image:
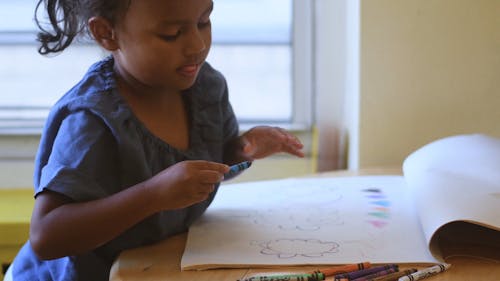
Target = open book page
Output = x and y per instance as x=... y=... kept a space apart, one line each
x=457 y=179
x=308 y=221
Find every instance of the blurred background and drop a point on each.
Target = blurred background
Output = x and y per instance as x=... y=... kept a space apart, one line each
x=363 y=83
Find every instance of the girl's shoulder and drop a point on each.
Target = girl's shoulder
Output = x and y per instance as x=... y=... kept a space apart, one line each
x=96 y=93
x=97 y=85
x=208 y=74
x=211 y=83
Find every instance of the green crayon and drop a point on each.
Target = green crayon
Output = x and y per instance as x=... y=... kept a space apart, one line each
x=317 y=276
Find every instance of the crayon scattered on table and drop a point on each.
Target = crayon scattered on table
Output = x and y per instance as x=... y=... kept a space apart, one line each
x=357 y=272
x=364 y=272
x=344 y=268
x=427 y=272
x=370 y=277
x=317 y=276
x=396 y=275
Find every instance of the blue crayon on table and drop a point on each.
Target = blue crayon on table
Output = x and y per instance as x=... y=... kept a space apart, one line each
x=317 y=276
x=427 y=272
x=357 y=274
x=237 y=168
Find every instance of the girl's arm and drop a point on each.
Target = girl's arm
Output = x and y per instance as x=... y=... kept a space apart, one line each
x=60 y=227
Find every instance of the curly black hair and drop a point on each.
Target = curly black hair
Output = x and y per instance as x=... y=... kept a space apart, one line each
x=69 y=18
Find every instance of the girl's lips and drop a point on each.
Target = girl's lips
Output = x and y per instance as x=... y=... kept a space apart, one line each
x=189 y=70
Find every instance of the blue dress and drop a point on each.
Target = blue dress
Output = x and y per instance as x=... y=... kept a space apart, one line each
x=93 y=146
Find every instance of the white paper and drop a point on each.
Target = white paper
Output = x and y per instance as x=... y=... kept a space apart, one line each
x=308 y=221
x=381 y=219
x=456 y=179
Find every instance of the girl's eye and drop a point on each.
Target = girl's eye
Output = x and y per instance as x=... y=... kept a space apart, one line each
x=204 y=23
x=170 y=37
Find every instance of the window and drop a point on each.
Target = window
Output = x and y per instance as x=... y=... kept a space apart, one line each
x=254 y=46
x=263 y=47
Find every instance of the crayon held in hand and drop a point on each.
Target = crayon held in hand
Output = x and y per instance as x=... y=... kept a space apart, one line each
x=237 y=168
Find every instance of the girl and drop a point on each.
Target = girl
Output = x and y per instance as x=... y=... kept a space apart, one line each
x=134 y=152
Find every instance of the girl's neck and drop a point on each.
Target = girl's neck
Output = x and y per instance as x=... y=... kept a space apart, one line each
x=162 y=112
x=132 y=88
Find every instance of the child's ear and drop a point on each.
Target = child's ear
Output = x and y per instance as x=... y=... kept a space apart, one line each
x=103 y=33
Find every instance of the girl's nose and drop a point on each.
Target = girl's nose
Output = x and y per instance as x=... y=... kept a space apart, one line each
x=195 y=43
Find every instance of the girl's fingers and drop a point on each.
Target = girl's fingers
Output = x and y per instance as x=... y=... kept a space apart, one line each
x=206 y=189
x=288 y=138
x=263 y=141
x=203 y=165
x=294 y=151
x=211 y=177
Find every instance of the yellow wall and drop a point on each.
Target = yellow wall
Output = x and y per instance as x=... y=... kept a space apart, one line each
x=428 y=69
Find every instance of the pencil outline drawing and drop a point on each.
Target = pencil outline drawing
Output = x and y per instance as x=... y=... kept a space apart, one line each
x=286 y=248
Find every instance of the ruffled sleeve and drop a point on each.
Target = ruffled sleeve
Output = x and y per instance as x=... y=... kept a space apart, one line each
x=82 y=162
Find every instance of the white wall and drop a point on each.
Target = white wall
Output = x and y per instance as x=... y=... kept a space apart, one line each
x=393 y=75
x=429 y=69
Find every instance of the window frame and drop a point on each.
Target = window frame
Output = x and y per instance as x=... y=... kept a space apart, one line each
x=303 y=66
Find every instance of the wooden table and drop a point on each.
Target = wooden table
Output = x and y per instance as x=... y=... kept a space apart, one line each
x=162 y=261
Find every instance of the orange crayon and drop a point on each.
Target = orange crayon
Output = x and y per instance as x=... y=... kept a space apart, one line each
x=344 y=268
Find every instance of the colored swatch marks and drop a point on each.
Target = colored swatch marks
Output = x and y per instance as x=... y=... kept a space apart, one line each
x=379 y=212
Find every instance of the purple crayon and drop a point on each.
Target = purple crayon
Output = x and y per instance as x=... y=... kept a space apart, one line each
x=364 y=272
x=370 y=277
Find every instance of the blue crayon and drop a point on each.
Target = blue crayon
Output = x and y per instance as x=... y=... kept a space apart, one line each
x=237 y=168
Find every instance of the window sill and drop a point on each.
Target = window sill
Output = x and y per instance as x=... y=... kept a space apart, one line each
x=18 y=147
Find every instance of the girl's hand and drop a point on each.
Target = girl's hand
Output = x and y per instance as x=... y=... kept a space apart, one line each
x=186 y=183
x=262 y=141
x=178 y=186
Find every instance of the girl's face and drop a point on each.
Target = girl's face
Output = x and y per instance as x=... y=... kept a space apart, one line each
x=162 y=44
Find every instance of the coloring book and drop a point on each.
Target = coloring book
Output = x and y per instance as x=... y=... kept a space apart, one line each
x=446 y=203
